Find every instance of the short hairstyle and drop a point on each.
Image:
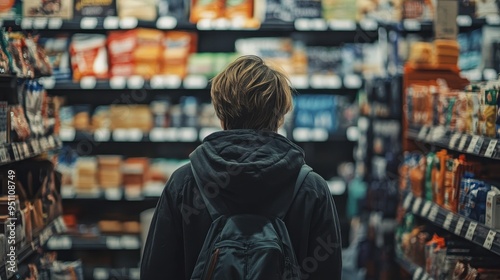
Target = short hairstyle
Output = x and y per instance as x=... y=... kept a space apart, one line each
x=249 y=94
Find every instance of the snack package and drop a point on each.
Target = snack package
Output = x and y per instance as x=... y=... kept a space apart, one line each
x=101 y=118
x=460 y=112
x=430 y=161
x=417 y=176
x=418 y=9
x=312 y=8
x=11 y=9
x=135 y=52
x=486 y=7
x=341 y=9
x=438 y=173
x=140 y=9
x=33 y=105
x=177 y=47
x=81 y=118
x=19 y=127
x=475 y=207
x=324 y=60
x=490 y=112
x=279 y=11
x=5 y=56
x=472 y=115
x=66 y=115
x=89 y=56
x=42 y=8
x=56 y=49
x=95 y=8
x=420 y=107
x=209 y=9
x=21 y=59
x=492 y=217
x=465 y=185
x=240 y=9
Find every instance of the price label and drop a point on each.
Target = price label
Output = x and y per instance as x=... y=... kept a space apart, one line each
x=318 y=24
x=68 y=192
x=490 y=74
x=133 y=193
x=368 y=25
x=417 y=274
x=120 y=135
x=134 y=135
x=204 y=24
x=491 y=150
x=301 y=134
x=27 y=23
x=333 y=82
x=111 y=23
x=464 y=21
x=35 y=146
x=422 y=133
x=130 y=242
x=470 y=231
x=49 y=82
x=52 y=141
x=347 y=25
x=118 y=82
x=88 y=83
x=473 y=143
x=170 y=134
x=493 y=19
x=172 y=81
x=166 y=23
x=459 y=226
x=15 y=151
x=156 y=82
x=406 y=203
x=426 y=208
x=195 y=82
x=447 y=221
x=302 y=24
x=411 y=25
x=300 y=81
x=67 y=134
x=221 y=24
x=101 y=273
x=454 y=140
x=55 y=23
x=135 y=82
x=490 y=239
x=102 y=135
x=462 y=143
x=58 y=242
x=128 y=23
x=44 y=143
x=4 y=155
x=352 y=81
x=113 y=243
x=40 y=23
x=433 y=213
x=319 y=134
x=134 y=273
x=156 y=134
x=416 y=205
x=88 y=23
x=113 y=194
x=187 y=134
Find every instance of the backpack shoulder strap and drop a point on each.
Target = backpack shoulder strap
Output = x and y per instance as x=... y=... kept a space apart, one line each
x=304 y=171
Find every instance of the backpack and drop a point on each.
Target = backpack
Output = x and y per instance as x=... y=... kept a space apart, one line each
x=248 y=247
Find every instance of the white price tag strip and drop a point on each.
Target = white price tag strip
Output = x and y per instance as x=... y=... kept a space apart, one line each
x=447 y=221
x=88 y=82
x=463 y=141
x=416 y=204
x=417 y=274
x=470 y=231
x=156 y=82
x=111 y=23
x=67 y=134
x=4 y=155
x=187 y=134
x=464 y=20
x=302 y=24
x=459 y=226
x=301 y=134
x=411 y=25
x=300 y=81
x=368 y=24
x=453 y=140
x=117 y=82
x=318 y=24
x=130 y=242
x=55 y=23
x=135 y=82
x=473 y=143
x=113 y=194
x=40 y=23
x=347 y=25
x=113 y=243
x=407 y=201
x=493 y=19
x=101 y=273
x=134 y=135
x=102 y=135
x=422 y=133
x=120 y=135
x=128 y=23
x=166 y=22
x=433 y=213
x=426 y=208
x=490 y=239
x=88 y=23
x=172 y=81
x=195 y=82
x=490 y=151
x=156 y=134
x=26 y=23
x=352 y=81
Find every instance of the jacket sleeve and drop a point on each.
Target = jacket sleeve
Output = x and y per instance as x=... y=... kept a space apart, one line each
x=324 y=257
x=163 y=255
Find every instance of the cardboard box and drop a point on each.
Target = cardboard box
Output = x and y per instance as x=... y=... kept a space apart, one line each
x=492 y=218
x=95 y=8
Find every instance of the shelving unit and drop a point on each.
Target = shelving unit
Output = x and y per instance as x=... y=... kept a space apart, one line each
x=414 y=270
x=55 y=227
x=12 y=152
x=102 y=242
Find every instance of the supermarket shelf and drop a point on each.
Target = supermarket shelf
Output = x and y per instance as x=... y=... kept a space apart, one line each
x=473 y=231
x=176 y=135
x=102 y=242
x=194 y=82
x=170 y=23
x=13 y=152
x=463 y=22
x=55 y=227
x=417 y=272
x=464 y=143
x=114 y=194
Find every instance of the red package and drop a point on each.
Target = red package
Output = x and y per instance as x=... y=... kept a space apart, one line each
x=89 y=56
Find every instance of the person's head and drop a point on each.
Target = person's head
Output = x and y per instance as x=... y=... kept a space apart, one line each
x=249 y=94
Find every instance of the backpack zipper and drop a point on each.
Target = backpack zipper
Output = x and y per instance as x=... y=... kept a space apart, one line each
x=211 y=267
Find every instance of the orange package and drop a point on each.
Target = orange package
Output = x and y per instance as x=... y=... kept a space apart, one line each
x=88 y=56
x=417 y=177
x=206 y=9
x=438 y=173
x=177 y=47
x=239 y=9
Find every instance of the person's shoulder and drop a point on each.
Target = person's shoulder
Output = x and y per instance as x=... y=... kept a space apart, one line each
x=314 y=185
x=178 y=180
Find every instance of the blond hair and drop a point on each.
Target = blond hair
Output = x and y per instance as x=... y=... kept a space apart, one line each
x=249 y=94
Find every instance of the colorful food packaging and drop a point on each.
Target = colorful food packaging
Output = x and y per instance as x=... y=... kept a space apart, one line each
x=89 y=56
x=490 y=112
x=177 y=47
x=43 y=8
x=206 y=9
x=241 y=9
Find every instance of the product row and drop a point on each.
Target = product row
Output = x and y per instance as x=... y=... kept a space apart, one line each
x=30 y=199
x=442 y=255
x=252 y=11
x=473 y=110
x=148 y=52
x=459 y=185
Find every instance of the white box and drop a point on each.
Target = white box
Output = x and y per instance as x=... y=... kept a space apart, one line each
x=492 y=218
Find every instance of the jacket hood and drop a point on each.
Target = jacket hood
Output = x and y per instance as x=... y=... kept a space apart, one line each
x=247 y=171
